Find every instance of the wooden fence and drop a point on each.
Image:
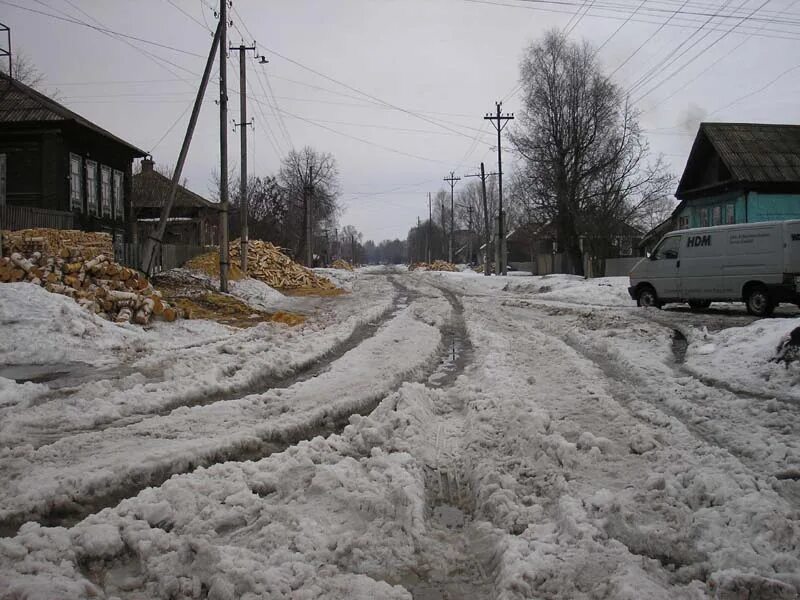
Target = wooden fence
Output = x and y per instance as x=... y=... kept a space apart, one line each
x=26 y=217
x=170 y=256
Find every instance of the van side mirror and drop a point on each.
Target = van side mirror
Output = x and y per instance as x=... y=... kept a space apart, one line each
x=651 y=256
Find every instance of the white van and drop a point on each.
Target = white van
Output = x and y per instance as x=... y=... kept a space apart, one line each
x=758 y=263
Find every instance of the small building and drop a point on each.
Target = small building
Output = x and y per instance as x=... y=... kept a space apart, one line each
x=193 y=220
x=740 y=173
x=60 y=169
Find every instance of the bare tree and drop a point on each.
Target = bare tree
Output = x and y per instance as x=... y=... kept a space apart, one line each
x=585 y=157
x=25 y=71
x=308 y=173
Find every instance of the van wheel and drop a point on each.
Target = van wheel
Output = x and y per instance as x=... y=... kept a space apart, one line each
x=758 y=301
x=699 y=304
x=647 y=298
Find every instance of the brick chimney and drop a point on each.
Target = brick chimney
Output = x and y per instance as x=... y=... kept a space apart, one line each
x=147 y=165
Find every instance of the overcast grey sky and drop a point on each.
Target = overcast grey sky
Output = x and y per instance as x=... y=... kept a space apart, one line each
x=444 y=62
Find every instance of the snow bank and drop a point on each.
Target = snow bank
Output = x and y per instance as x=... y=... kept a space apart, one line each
x=341 y=278
x=747 y=358
x=40 y=328
x=603 y=291
x=257 y=293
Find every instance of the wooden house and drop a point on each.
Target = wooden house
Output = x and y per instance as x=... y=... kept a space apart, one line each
x=737 y=173
x=55 y=162
x=193 y=220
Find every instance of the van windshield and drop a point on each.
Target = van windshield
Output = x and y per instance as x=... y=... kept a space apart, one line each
x=667 y=249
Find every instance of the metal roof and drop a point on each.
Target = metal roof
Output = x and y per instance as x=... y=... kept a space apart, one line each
x=753 y=153
x=757 y=152
x=20 y=103
x=151 y=188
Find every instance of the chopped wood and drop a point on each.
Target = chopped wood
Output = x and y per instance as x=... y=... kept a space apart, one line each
x=77 y=264
x=268 y=264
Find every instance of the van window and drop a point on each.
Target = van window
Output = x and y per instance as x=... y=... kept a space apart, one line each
x=668 y=248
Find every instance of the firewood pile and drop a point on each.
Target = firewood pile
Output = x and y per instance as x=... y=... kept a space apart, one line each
x=437 y=265
x=268 y=264
x=57 y=242
x=341 y=264
x=98 y=284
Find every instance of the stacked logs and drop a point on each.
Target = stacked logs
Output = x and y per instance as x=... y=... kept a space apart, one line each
x=437 y=265
x=98 y=284
x=341 y=264
x=268 y=264
x=54 y=242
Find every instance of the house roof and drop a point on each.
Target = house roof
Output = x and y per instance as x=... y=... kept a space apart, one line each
x=185 y=198
x=753 y=153
x=20 y=103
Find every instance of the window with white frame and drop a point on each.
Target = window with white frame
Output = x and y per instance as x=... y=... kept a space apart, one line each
x=91 y=187
x=75 y=182
x=2 y=179
x=105 y=190
x=717 y=215
x=119 y=210
x=730 y=214
x=703 y=217
x=683 y=222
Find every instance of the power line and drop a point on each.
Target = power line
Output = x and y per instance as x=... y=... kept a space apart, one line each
x=709 y=67
x=178 y=8
x=696 y=56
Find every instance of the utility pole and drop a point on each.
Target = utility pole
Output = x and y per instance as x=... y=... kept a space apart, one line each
x=418 y=240
x=444 y=229
x=469 y=241
x=243 y=125
x=223 y=147
x=452 y=181
x=6 y=52
x=430 y=225
x=353 y=248
x=502 y=121
x=154 y=240
x=487 y=233
x=308 y=197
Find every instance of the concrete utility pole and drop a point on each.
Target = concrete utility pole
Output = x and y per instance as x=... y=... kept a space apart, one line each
x=502 y=121
x=430 y=225
x=224 y=259
x=243 y=125
x=154 y=240
x=308 y=198
x=487 y=233
x=452 y=181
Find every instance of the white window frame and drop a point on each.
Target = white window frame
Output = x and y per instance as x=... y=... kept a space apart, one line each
x=683 y=222
x=105 y=190
x=704 y=220
x=716 y=213
x=730 y=214
x=92 y=207
x=3 y=179
x=118 y=193
x=75 y=182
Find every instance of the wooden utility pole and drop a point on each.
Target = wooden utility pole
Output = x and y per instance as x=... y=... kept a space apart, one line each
x=430 y=225
x=154 y=240
x=469 y=241
x=243 y=125
x=444 y=229
x=487 y=233
x=309 y=192
x=418 y=240
x=502 y=121
x=223 y=147
x=452 y=181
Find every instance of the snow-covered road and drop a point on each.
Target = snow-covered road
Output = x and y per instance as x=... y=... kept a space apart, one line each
x=508 y=438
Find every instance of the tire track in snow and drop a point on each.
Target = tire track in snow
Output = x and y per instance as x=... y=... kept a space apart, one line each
x=311 y=367
x=73 y=507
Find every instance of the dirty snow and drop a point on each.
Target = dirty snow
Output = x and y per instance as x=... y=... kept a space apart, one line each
x=573 y=458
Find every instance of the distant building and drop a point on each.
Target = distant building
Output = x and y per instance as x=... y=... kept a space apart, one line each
x=737 y=173
x=193 y=220
x=59 y=169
